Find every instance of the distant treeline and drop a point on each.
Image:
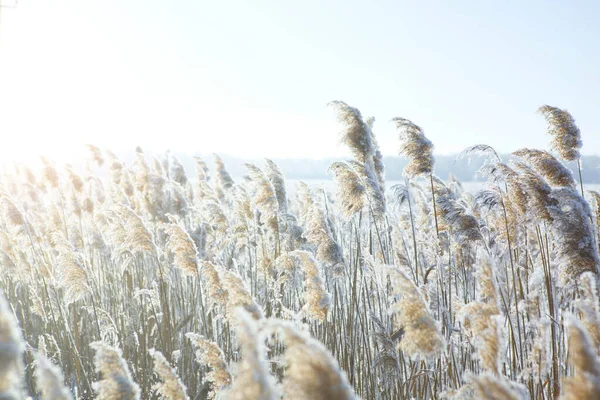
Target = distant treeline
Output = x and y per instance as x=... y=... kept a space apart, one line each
x=445 y=166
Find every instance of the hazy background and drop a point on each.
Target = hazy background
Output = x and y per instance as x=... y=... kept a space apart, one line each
x=252 y=79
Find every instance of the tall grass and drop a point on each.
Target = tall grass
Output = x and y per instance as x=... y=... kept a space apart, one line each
x=137 y=281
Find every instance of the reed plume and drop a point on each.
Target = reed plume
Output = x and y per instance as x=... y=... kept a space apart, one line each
x=214 y=215
x=465 y=227
x=154 y=199
x=415 y=147
x=481 y=318
x=585 y=385
x=589 y=307
x=251 y=377
x=304 y=200
x=420 y=332
x=538 y=193
x=205 y=192
x=292 y=233
x=238 y=295
x=127 y=184
x=242 y=216
x=11 y=213
x=576 y=250
x=210 y=354
x=115 y=168
x=286 y=269
x=566 y=138
x=375 y=196
x=419 y=151
x=356 y=133
x=51 y=177
x=11 y=353
x=311 y=373
x=351 y=191
x=202 y=173
x=277 y=180
x=216 y=292
x=491 y=387
x=367 y=165
x=50 y=380
x=378 y=165
x=70 y=271
x=178 y=197
x=516 y=195
x=177 y=172
x=116 y=381
x=319 y=233
x=548 y=167
x=264 y=197
x=223 y=181
x=183 y=249
x=137 y=238
x=76 y=180
x=141 y=171
x=481 y=149
x=170 y=387
x=317 y=300
x=96 y=154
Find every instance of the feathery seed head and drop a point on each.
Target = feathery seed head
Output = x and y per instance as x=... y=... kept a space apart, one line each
x=548 y=167
x=96 y=154
x=356 y=133
x=70 y=272
x=11 y=350
x=374 y=195
x=116 y=381
x=50 y=380
x=582 y=354
x=421 y=333
x=494 y=387
x=311 y=372
x=223 y=181
x=252 y=379
x=351 y=191
x=170 y=387
x=238 y=295
x=216 y=292
x=566 y=137
x=210 y=354
x=201 y=170
x=575 y=246
x=538 y=193
x=183 y=248
x=317 y=300
x=416 y=147
x=318 y=232
x=264 y=197
x=274 y=174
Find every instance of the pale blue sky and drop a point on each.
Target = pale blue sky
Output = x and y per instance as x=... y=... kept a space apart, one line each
x=252 y=78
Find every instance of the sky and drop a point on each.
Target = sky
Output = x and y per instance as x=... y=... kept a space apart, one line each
x=253 y=78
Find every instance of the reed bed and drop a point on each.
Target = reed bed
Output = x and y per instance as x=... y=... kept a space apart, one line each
x=136 y=281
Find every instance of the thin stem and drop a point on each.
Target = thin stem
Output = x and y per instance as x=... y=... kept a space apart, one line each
x=580 y=179
x=437 y=230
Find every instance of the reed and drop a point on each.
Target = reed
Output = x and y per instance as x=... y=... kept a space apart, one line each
x=425 y=292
